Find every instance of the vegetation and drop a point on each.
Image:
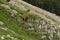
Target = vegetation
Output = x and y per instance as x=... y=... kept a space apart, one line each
x=34 y=28
x=49 y=5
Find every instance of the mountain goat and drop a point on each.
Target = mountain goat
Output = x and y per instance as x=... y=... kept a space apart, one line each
x=26 y=16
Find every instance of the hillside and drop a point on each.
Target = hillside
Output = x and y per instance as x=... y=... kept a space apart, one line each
x=36 y=27
x=52 y=6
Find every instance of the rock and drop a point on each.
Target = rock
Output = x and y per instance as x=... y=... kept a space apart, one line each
x=31 y=28
x=22 y=39
x=37 y=21
x=1 y=23
x=32 y=20
x=43 y=37
x=51 y=35
x=30 y=24
x=2 y=37
x=50 y=38
x=8 y=36
x=15 y=39
x=4 y=28
x=6 y=6
x=14 y=12
x=12 y=38
x=40 y=26
x=58 y=34
x=49 y=31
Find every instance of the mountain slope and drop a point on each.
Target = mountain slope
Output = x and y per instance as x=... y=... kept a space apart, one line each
x=38 y=11
x=13 y=27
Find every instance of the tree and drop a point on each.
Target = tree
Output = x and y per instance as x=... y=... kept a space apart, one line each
x=49 y=5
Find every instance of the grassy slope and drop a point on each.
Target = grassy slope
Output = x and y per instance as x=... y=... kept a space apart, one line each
x=13 y=25
x=18 y=29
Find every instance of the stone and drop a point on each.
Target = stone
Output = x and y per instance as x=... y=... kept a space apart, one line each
x=31 y=28
x=8 y=36
x=2 y=37
x=58 y=33
x=50 y=38
x=15 y=39
x=1 y=23
x=5 y=29
x=6 y=6
x=43 y=37
x=22 y=39
x=13 y=12
x=30 y=24
x=12 y=38
x=49 y=31
x=37 y=21
x=40 y=26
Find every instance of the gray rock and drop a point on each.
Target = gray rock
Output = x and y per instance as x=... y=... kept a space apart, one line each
x=1 y=23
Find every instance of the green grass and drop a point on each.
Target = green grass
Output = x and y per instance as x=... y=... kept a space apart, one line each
x=18 y=28
x=20 y=32
x=17 y=9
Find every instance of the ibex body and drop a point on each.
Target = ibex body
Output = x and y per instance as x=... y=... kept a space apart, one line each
x=25 y=16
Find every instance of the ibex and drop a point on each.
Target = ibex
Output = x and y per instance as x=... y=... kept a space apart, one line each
x=26 y=16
